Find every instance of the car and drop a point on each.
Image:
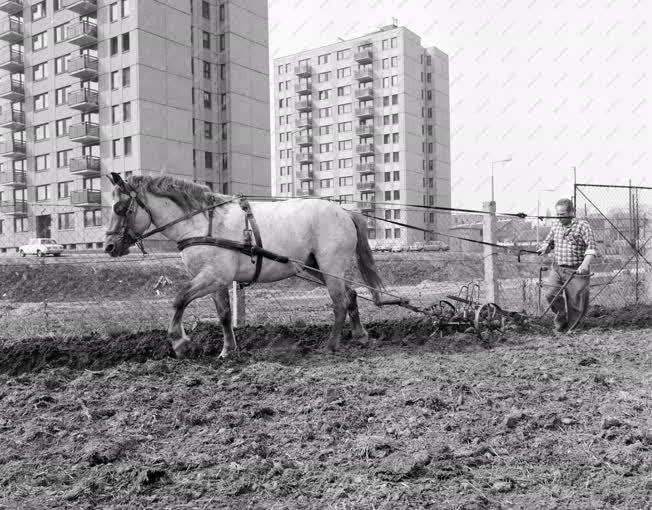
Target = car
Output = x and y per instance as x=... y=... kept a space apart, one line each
x=418 y=246
x=436 y=246
x=41 y=246
x=396 y=249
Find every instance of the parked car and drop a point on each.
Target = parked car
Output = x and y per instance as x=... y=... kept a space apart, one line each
x=418 y=246
x=436 y=246
x=396 y=249
x=41 y=247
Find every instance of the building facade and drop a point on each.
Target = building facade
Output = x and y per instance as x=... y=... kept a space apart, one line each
x=366 y=122
x=140 y=87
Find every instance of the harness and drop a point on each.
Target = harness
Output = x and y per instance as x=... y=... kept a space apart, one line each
x=255 y=251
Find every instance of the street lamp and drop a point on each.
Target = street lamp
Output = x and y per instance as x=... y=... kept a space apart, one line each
x=538 y=206
x=492 y=174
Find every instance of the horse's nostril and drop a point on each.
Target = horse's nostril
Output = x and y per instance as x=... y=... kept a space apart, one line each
x=109 y=248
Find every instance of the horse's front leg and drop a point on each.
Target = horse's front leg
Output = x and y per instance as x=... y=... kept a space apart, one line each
x=223 y=306
x=201 y=285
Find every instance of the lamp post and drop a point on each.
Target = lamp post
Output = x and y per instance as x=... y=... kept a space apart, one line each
x=492 y=174
x=538 y=204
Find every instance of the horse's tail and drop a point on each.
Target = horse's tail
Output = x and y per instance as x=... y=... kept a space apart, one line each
x=366 y=263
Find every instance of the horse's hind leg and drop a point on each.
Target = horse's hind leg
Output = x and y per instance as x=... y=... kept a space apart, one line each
x=223 y=306
x=200 y=286
x=357 y=329
x=337 y=292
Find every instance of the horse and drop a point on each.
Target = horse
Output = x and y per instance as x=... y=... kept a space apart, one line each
x=319 y=235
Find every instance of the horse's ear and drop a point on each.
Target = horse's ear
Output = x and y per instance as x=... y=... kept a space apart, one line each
x=115 y=178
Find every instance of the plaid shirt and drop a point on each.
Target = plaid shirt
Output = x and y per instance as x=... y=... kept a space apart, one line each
x=570 y=243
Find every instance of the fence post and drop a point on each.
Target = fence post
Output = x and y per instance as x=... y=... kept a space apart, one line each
x=238 y=306
x=490 y=253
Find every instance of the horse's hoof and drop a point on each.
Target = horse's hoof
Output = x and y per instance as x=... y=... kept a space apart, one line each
x=181 y=348
x=362 y=341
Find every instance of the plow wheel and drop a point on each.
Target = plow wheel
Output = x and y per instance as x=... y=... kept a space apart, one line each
x=443 y=312
x=487 y=318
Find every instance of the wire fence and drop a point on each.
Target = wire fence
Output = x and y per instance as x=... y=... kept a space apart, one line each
x=85 y=292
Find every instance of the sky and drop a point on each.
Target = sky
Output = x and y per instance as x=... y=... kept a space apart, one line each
x=550 y=84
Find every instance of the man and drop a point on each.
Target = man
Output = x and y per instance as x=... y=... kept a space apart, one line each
x=574 y=246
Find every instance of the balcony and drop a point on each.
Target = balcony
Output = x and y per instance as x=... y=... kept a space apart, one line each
x=363 y=75
x=13 y=179
x=303 y=122
x=84 y=67
x=85 y=100
x=14 y=208
x=81 y=7
x=304 y=141
x=83 y=33
x=13 y=119
x=11 y=30
x=12 y=61
x=364 y=94
x=367 y=205
x=87 y=166
x=12 y=7
x=305 y=192
x=86 y=198
x=366 y=112
x=365 y=149
x=364 y=131
x=365 y=186
x=303 y=71
x=12 y=149
x=366 y=168
x=364 y=56
x=12 y=90
x=305 y=158
x=84 y=133
x=304 y=175
x=303 y=89
x=303 y=106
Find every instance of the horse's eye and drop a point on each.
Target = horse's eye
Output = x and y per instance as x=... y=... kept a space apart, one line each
x=120 y=208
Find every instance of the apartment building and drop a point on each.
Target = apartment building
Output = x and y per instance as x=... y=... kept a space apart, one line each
x=141 y=87
x=366 y=122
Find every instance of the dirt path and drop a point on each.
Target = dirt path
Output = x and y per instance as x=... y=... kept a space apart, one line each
x=528 y=422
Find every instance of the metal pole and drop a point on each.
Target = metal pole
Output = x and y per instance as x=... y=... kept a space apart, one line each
x=492 y=181
x=575 y=188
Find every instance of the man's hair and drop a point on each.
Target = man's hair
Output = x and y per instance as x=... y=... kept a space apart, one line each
x=567 y=203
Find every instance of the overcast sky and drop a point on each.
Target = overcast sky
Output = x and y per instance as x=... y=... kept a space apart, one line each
x=551 y=84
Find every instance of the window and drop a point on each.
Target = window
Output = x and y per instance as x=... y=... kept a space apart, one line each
x=344 y=91
x=93 y=218
x=325 y=130
x=41 y=132
x=394 y=41
x=344 y=145
x=385 y=63
x=386 y=82
x=388 y=195
x=205 y=9
x=115 y=79
x=386 y=120
x=394 y=61
x=344 y=72
x=324 y=94
x=61 y=64
x=126 y=111
x=127 y=145
x=385 y=44
x=208 y=130
x=60 y=33
x=326 y=165
x=344 y=108
x=114 y=12
x=126 y=77
x=66 y=221
x=346 y=181
x=345 y=163
x=430 y=147
x=387 y=157
x=42 y=193
x=222 y=15
x=223 y=74
x=344 y=127
x=208 y=159
x=394 y=80
x=397 y=194
x=385 y=100
x=388 y=176
x=344 y=54
x=207 y=70
x=395 y=157
x=115 y=147
x=386 y=138
x=323 y=59
x=397 y=175
x=206 y=40
x=325 y=112
x=397 y=233
x=323 y=77
x=325 y=147
x=63 y=157
x=114 y=45
x=42 y=162
x=41 y=101
x=326 y=183
x=115 y=114
x=39 y=11
x=40 y=71
x=61 y=126
x=394 y=118
x=124 y=8
x=125 y=42
x=2 y=223
x=21 y=225
x=394 y=98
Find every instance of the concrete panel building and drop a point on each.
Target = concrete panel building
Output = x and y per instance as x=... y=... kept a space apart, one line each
x=147 y=87
x=367 y=122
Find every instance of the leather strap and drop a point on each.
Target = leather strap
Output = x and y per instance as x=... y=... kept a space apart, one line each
x=247 y=249
x=250 y=220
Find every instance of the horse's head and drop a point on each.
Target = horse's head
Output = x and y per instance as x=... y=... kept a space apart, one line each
x=130 y=218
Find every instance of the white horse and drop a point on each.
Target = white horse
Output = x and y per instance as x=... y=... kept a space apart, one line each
x=318 y=233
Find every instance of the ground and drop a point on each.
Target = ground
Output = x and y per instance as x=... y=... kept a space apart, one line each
x=529 y=420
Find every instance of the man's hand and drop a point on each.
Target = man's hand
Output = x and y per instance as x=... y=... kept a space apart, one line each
x=542 y=251
x=583 y=269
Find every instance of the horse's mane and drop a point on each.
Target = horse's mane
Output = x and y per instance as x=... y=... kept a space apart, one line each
x=187 y=195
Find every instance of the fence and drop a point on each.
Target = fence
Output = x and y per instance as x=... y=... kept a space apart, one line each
x=87 y=292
